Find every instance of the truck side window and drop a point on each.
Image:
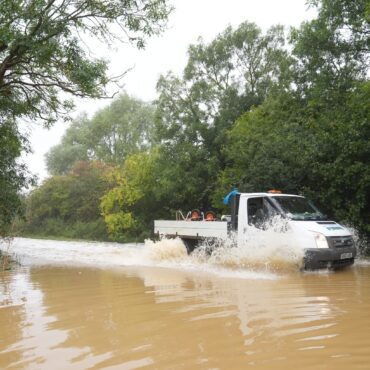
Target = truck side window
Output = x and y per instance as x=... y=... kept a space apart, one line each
x=270 y=209
x=255 y=211
x=259 y=211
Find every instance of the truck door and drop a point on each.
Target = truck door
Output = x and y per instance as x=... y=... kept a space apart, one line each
x=253 y=212
x=259 y=211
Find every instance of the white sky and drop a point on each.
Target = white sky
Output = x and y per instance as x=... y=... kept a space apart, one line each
x=190 y=19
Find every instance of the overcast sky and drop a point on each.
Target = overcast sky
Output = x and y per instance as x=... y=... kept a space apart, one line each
x=190 y=19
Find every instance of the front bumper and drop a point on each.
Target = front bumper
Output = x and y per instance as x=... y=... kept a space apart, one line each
x=328 y=258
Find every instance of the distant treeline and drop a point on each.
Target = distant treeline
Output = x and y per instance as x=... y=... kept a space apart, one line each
x=253 y=110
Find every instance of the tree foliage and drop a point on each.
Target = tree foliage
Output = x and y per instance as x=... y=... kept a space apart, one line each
x=42 y=52
x=68 y=205
x=44 y=60
x=13 y=175
x=314 y=138
x=221 y=80
x=155 y=184
x=129 y=206
x=260 y=147
x=326 y=156
x=111 y=135
x=332 y=51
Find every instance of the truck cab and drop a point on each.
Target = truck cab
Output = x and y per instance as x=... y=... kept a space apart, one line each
x=325 y=243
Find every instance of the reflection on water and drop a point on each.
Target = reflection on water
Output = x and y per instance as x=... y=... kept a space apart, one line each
x=85 y=317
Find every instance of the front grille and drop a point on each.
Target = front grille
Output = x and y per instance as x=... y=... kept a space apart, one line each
x=342 y=263
x=335 y=263
x=340 y=241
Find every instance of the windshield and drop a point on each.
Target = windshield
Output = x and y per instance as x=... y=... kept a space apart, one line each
x=298 y=208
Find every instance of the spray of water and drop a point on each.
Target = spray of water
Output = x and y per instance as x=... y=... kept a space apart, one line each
x=165 y=250
x=269 y=248
x=362 y=246
x=263 y=251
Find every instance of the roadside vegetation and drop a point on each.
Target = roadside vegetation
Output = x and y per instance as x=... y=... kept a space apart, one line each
x=286 y=109
x=6 y=259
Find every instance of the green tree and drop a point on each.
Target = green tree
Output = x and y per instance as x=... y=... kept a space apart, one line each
x=43 y=54
x=42 y=51
x=222 y=80
x=333 y=78
x=340 y=157
x=122 y=128
x=68 y=205
x=72 y=148
x=332 y=50
x=266 y=149
x=129 y=206
x=284 y=144
x=314 y=138
x=146 y=187
x=13 y=175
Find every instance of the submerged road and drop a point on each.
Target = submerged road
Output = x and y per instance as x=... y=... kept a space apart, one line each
x=78 y=305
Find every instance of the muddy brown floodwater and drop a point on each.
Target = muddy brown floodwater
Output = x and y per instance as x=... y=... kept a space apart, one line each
x=59 y=314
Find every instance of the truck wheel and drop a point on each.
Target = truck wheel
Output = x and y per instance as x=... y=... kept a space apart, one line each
x=190 y=244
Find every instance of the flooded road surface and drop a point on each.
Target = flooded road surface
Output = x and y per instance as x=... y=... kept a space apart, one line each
x=107 y=306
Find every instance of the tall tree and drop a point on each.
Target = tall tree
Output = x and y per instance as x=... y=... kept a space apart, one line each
x=13 y=175
x=222 y=80
x=111 y=135
x=129 y=206
x=68 y=205
x=314 y=138
x=42 y=51
x=332 y=50
x=43 y=54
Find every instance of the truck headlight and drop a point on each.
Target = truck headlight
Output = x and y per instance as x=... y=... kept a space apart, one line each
x=320 y=240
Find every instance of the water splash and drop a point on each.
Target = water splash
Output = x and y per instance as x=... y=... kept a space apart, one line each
x=362 y=245
x=271 y=247
x=260 y=253
x=165 y=250
x=269 y=250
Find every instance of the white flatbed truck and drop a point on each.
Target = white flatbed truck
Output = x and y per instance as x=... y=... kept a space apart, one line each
x=326 y=244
